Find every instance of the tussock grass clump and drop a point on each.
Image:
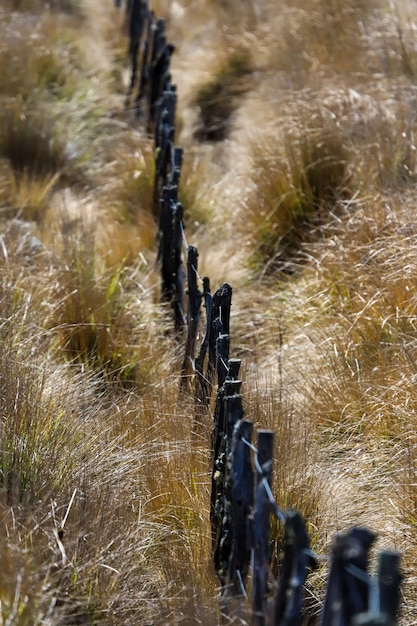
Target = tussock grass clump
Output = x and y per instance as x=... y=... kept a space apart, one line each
x=133 y=195
x=193 y=192
x=39 y=59
x=28 y=142
x=129 y=227
x=35 y=160
x=89 y=308
x=295 y=193
x=323 y=40
x=65 y=6
x=97 y=321
x=219 y=97
x=388 y=154
x=39 y=73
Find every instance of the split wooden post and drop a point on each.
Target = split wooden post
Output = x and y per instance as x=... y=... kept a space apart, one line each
x=233 y=413
x=228 y=410
x=384 y=593
x=170 y=252
x=242 y=483
x=202 y=390
x=347 y=591
x=193 y=316
x=261 y=515
x=389 y=580
x=296 y=561
x=220 y=324
x=179 y=271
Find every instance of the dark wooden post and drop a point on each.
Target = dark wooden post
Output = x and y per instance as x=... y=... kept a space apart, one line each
x=164 y=147
x=222 y=358
x=170 y=253
x=384 y=593
x=193 y=315
x=166 y=235
x=242 y=483
x=220 y=323
x=233 y=413
x=347 y=591
x=389 y=580
x=297 y=559
x=261 y=515
x=202 y=385
x=158 y=43
x=179 y=272
x=228 y=408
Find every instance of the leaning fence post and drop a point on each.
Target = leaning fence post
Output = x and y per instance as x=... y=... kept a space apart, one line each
x=297 y=559
x=202 y=391
x=242 y=480
x=170 y=253
x=220 y=323
x=389 y=580
x=179 y=272
x=261 y=514
x=193 y=315
x=384 y=593
x=347 y=591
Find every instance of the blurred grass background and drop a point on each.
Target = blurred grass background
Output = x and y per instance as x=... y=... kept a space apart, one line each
x=297 y=122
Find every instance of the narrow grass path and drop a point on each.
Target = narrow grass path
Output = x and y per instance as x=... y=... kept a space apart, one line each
x=357 y=481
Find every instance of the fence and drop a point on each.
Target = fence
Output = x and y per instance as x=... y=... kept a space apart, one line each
x=242 y=500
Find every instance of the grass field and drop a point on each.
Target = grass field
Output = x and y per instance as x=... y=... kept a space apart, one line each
x=298 y=125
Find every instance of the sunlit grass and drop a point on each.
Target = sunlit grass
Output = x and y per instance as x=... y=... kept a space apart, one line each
x=105 y=474
x=220 y=96
x=295 y=192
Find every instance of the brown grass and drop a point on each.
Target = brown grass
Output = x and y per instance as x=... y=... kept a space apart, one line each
x=104 y=474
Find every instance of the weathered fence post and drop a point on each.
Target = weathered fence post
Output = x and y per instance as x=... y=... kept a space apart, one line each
x=179 y=272
x=177 y=164
x=193 y=316
x=261 y=514
x=388 y=585
x=220 y=324
x=170 y=252
x=242 y=483
x=297 y=559
x=348 y=581
x=228 y=410
x=384 y=593
x=233 y=413
x=164 y=155
x=202 y=387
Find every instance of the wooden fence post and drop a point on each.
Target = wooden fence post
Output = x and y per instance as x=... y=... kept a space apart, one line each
x=261 y=514
x=202 y=389
x=165 y=154
x=221 y=446
x=233 y=413
x=242 y=483
x=384 y=593
x=170 y=252
x=389 y=580
x=220 y=324
x=297 y=559
x=179 y=272
x=176 y=172
x=193 y=316
x=347 y=591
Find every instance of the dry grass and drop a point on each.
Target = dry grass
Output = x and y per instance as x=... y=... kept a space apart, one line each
x=104 y=475
x=221 y=95
x=296 y=192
